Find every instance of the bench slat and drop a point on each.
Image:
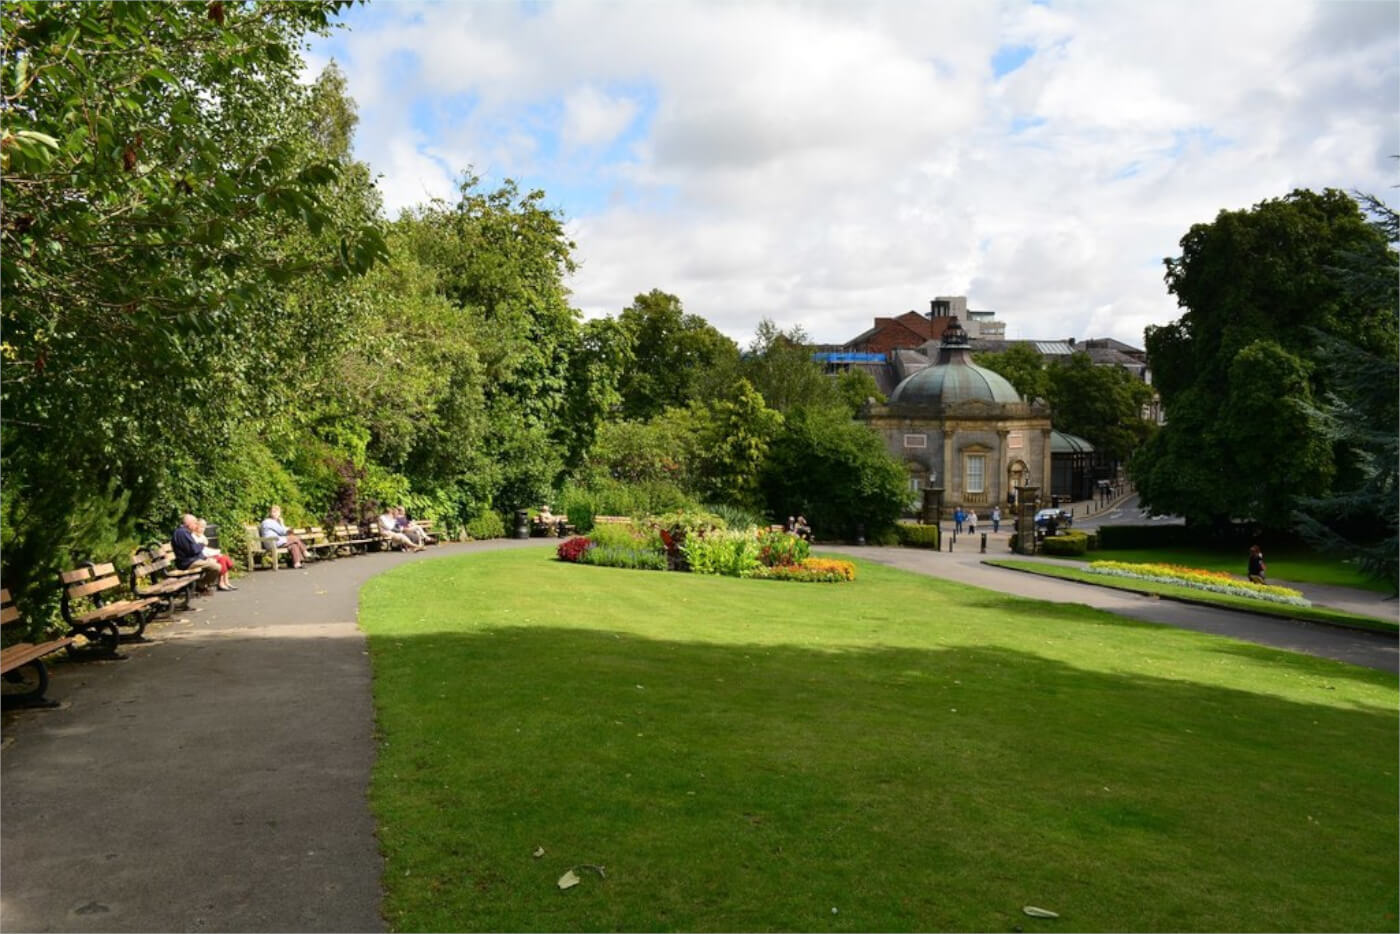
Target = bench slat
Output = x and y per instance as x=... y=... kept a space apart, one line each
x=23 y=653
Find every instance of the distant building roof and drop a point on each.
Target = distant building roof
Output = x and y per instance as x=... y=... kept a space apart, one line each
x=1062 y=442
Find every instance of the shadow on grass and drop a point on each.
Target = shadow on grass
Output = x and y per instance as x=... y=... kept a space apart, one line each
x=759 y=787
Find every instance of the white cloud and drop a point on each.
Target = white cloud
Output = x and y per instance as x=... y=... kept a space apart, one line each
x=592 y=118
x=822 y=164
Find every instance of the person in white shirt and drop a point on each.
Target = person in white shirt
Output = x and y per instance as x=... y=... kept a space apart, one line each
x=389 y=528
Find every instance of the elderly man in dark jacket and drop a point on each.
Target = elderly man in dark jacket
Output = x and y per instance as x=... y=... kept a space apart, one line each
x=189 y=553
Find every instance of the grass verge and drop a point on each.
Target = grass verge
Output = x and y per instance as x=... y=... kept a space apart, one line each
x=1311 y=614
x=1297 y=565
x=894 y=753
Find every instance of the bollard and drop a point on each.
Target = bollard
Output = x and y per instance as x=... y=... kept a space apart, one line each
x=984 y=543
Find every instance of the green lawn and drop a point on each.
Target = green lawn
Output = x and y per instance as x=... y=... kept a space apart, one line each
x=1299 y=565
x=1314 y=614
x=897 y=753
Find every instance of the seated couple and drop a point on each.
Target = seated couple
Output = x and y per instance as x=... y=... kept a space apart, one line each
x=396 y=526
x=192 y=550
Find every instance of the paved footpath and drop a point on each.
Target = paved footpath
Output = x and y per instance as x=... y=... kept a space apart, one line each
x=1371 y=649
x=216 y=780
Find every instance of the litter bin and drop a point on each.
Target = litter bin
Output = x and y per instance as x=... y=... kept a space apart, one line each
x=522 y=523
x=211 y=532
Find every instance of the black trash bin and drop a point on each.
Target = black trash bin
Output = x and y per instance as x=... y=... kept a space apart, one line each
x=522 y=523
x=211 y=532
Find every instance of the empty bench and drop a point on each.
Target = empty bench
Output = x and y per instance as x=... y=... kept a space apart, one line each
x=26 y=677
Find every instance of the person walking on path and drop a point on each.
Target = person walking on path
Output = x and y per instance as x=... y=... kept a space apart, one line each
x=996 y=519
x=1257 y=568
x=958 y=519
x=971 y=519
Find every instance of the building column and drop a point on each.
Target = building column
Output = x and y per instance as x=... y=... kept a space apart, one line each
x=954 y=490
x=1003 y=461
x=1045 y=478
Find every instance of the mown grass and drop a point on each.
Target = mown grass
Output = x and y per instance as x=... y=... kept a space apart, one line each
x=1299 y=565
x=914 y=754
x=1314 y=614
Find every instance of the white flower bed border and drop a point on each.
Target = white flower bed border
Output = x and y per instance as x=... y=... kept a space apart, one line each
x=1223 y=587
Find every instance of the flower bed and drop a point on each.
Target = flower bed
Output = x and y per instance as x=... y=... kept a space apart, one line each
x=809 y=570
x=1200 y=579
x=705 y=549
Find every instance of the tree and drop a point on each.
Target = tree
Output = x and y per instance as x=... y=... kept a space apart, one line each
x=779 y=364
x=678 y=358
x=1102 y=404
x=856 y=387
x=1360 y=518
x=1256 y=284
x=834 y=471
x=162 y=196
x=1022 y=366
x=733 y=443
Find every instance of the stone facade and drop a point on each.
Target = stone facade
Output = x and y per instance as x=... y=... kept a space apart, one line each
x=963 y=428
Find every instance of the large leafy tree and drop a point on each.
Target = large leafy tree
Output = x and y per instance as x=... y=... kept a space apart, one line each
x=1239 y=372
x=1360 y=517
x=162 y=196
x=779 y=364
x=1102 y=404
x=833 y=470
x=1023 y=367
x=678 y=358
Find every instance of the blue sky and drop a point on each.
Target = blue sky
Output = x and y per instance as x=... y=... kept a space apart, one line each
x=823 y=164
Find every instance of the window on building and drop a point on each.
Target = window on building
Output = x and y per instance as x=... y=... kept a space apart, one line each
x=976 y=473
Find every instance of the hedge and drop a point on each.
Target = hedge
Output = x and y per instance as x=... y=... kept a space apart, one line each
x=1067 y=544
x=917 y=536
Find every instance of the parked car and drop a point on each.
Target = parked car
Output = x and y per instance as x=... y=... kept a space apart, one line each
x=1063 y=518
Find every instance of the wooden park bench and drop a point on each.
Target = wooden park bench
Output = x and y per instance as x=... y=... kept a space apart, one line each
x=261 y=549
x=154 y=574
x=26 y=678
x=351 y=539
x=318 y=543
x=100 y=587
x=427 y=526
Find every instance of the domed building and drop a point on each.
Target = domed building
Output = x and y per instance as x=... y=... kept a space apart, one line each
x=964 y=428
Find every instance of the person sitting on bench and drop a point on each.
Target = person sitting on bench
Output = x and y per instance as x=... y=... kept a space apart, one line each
x=389 y=528
x=272 y=527
x=189 y=553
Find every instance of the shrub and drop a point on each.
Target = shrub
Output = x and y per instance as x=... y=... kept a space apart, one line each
x=1093 y=543
x=1068 y=543
x=487 y=525
x=732 y=554
x=812 y=570
x=917 y=536
x=885 y=537
x=610 y=535
x=781 y=548
x=573 y=549
x=615 y=556
x=736 y=517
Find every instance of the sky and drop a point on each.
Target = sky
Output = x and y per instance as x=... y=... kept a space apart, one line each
x=822 y=164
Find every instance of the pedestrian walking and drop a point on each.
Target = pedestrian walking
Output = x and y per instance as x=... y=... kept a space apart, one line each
x=958 y=516
x=972 y=522
x=996 y=519
x=1257 y=568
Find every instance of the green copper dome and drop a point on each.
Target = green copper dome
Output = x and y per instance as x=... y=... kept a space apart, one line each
x=954 y=377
